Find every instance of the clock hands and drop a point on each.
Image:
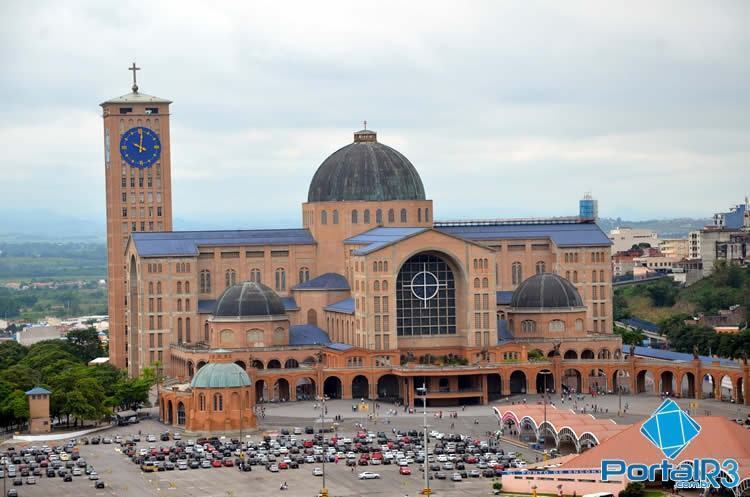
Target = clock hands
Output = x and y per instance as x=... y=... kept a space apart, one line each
x=140 y=148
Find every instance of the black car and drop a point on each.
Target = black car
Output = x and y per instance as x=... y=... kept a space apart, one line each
x=246 y=467
x=50 y=473
x=17 y=481
x=194 y=464
x=488 y=473
x=12 y=492
x=99 y=484
x=95 y=440
x=68 y=477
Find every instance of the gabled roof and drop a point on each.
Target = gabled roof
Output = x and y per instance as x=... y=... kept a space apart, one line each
x=377 y=238
x=503 y=297
x=345 y=306
x=307 y=334
x=563 y=235
x=38 y=391
x=327 y=281
x=186 y=243
x=136 y=98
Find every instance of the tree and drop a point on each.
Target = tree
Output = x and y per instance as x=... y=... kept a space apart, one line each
x=85 y=344
x=630 y=337
x=11 y=352
x=634 y=489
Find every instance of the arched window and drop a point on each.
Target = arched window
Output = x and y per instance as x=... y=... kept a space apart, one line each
x=419 y=215
x=205 y=281
x=179 y=305
x=557 y=325
x=323 y=217
x=150 y=287
x=403 y=215
x=187 y=287
x=380 y=266
x=280 y=280
x=593 y=276
x=575 y=276
x=205 y=332
x=355 y=216
x=528 y=326
x=279 y=336
x=202 y=402
x=374 y=266
x=179 y=287
x=226 y=336
x=378 y=217
x=187 y=305
x=367 y=216
x=485 y=283
x=304 y=274
x=230 y=277
x=179 y=330
x=187 y=330
x=426 y=215
x=376 y=286
x=335 y=216
x=540 y=266
x=601 y=276
x=255 y=338
x=391 y=216
x=255 y=275
x=158 y=287
x=385 y=266
x=384 y=286
x=218 y=402
x=476 y=283
x=517 y=273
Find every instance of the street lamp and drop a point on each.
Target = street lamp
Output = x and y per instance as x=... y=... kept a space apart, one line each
x=541 y=438
x=324 y=490
x=423 y=392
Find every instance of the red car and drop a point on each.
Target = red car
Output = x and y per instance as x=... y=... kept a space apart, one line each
x=404 y=470
x=228 y=462
x=307 y=444
x=216 y=463
x=377 y=455
x=471 y=460
x=283 y=465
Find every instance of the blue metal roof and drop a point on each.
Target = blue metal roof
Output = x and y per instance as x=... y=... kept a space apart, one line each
x=38 y=391
x=345 y=306
x=670 y=355
x=563 y=235
x=378 y=238
x=641 y=324
x=340 y=346
x=206 y=306
x=307 y=334
x=503 y=297
x=186 y=243
x=503 y=333
x=289 y=304
x=327 y=281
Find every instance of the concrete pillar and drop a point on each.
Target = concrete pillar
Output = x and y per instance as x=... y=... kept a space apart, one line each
x=485 y=392
x=504 y=384
x=410 y=390
x=346 y=388
x=292 y=389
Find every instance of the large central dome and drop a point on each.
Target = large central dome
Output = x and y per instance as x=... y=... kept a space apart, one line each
x=366 y=170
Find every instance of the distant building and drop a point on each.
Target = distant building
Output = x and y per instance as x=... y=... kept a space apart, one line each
x=694 y=245
x=675 y=247
x=737 y=217
x=721 y=244
x=3 y=324
x=33 y=334
x=588 y=207
x=623 y=238
x=658 y=263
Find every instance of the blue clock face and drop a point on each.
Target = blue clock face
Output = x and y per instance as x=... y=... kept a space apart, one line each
x=140 y=147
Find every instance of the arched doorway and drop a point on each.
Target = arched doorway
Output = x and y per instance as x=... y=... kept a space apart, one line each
x=598 y=381
x=257 y=364
x=604 y=354
x=261 y=391
x=572 y=380
x=518 y=382
x=621 y=381
x=332 y=387
x=274 y=364
x=494 y=386
x=360 y=387
x=241 y=364
x=281 y=390
x=291 y=364
x=687 y=385
x=388 y=387
x=666 y=382
x=707 y=386
x=170 y=414
x=305 y=389
x=312 y=317
x=587 y=354
x=727 y=388
x=201 y=364
x=181 y=414
x=644 y=382
x=570 y=355
x=545 y=381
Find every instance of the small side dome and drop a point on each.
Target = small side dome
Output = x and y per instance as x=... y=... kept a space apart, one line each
x=220 y=375
x=248 y=299
x=546 y=291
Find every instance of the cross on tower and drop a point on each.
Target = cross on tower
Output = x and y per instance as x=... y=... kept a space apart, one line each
x=365 y=123
x=134 y=69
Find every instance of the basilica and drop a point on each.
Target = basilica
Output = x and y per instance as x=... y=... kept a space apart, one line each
x=371 y=297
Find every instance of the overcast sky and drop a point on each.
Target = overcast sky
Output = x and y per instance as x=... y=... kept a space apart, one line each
x=505 y=108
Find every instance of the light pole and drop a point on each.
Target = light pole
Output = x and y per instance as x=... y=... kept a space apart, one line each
x=541 y=438
x=242 y=408
x=423 y=391
x=324 y=490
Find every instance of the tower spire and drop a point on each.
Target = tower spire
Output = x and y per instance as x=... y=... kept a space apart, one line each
x=134 y=69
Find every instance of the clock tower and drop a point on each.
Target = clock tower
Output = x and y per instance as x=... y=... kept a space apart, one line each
x=137 y=164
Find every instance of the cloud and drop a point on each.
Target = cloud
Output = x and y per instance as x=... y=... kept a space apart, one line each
x=506 y=109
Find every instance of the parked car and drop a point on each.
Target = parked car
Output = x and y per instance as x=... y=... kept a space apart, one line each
x=404 y=470
x=317 y=472
x=368 y=475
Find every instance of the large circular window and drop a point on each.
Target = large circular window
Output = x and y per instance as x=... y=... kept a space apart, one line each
x=425 y=297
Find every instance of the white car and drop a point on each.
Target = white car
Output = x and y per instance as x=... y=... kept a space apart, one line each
x=297 y=430
x=273 y=468
x=317 y=472
x=375 y=462
x=151 y=438
x=182 y=465
x=93 y=476
x=176 y=436
x=368 y=475
x=456 y=477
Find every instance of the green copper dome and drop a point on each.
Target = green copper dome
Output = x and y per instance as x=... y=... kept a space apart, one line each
x=220 y=375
